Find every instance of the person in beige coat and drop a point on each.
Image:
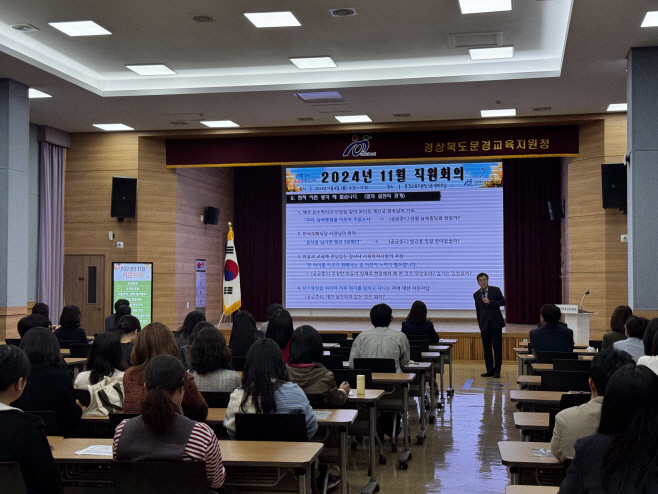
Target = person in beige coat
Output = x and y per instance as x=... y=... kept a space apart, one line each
x=576 y=422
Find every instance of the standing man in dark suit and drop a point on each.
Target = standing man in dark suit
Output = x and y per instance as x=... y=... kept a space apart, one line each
x=488 y=301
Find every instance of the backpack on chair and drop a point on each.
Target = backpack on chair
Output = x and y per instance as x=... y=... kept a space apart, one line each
x=106 y=397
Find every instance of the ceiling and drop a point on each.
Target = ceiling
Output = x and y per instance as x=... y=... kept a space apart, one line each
x=396 y=61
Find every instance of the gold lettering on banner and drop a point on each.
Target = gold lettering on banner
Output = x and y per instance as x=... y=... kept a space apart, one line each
x=428 y=147
x=440 y=147
x=520 y=144
x=462 y=147
x=452 y=146
x=498 y=145
x=486 y=145
x=543 y=143
x=509 y=144
x=475 y=145
x=532 y=143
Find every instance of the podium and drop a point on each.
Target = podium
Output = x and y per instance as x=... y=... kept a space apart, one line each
x=578 y=321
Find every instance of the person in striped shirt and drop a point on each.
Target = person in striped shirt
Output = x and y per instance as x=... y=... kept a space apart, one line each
x=162 y=432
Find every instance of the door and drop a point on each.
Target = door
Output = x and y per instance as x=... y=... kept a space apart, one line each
x=84 y=286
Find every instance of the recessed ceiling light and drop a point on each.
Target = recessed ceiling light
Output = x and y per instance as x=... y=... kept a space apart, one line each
x=478 y=6
x=491 y=53
x=353 y=118
x=219 y=123
x=313 y=62
x=151 y=69
x=113 y=127
x=272 y=19
x=650 y=19
x=320 y=97
x=618 y=107
x=35 y=93
x=511 y=112
x=80 y=28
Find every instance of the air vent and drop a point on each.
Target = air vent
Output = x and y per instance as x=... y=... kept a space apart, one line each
x=401 y=115
x=337 y=108
x=346 y=12
x=471 y=40
x=26 y=28
x=305 y=119
x=178 y=122
x=203 y=18
x=543 y=108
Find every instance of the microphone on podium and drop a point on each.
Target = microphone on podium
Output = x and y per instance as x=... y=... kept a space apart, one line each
x=581 y=300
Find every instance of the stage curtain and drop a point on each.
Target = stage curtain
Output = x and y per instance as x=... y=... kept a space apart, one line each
x=532 y=240
x=258 y=241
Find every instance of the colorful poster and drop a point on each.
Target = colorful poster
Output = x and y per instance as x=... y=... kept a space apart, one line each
x=133 y=281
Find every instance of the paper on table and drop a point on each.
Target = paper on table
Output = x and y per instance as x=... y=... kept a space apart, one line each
x=542 y=452
x=96 y=450
x=321 y=415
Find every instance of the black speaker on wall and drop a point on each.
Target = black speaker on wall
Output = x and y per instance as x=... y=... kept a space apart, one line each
x=124 y=197
x=555 y=210
x=210 y=215
x=613 y=182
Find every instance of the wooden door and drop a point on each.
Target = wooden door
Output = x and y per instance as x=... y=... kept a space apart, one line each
x=84 y=286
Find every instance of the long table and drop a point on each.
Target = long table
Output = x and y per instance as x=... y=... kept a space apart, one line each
x=546 y=398
x=518 y=454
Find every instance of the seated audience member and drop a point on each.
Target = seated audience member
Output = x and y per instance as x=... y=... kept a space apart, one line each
x=185 y=350
x=157 y=339
x=621 y=456
x=270 y=311
x=551 y=336
x=161 y=432
x=280 y=330
x=121 y=311
x=619 y=317
x=49 y=387
x=576 y=422
x=127 y=330
x=105 y=359
x=32 y=321
x=109 y=320
x=210 y=359
x=633 y=344
x=381 y=341
x=417 y=323
x=243 y=333
x=43 y=310
x=184 y=332
x=650 y=357
x=266 y=388
x=305 y=369
x=23 y=436
x=69 y=325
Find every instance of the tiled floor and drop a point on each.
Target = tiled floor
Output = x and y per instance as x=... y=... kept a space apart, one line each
x=460 y=454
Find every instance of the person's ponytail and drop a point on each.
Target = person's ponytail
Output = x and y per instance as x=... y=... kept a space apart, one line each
x=163 y=375
x=158 y=411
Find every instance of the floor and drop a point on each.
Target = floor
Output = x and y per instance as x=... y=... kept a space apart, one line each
x=460 y=454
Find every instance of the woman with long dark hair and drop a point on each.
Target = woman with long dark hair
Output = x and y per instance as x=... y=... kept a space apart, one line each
x=650 y=357
x=105 y=359
x=417 y=323
x=280 y=329
x=127 y=330
x=243 y=334
x=623 y=456
x=162 y=432
x=69 y=325
x=183 y=334
x=267 y=389
x=617 y=331
x=210 y=358
x=121 y=311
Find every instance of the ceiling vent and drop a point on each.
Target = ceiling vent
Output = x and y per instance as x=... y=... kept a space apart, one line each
x=305 y=119
x=336 y=108
x=178 y=122
x=26 y=28
x=543 y=108
x=471 y=40
x=401 y=115
x=346 y=12
x=203 y=18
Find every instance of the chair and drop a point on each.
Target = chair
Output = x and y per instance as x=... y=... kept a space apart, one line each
x=13 y=341
x=270 y=427
x=349 y=375
x=598 y=344
x=375 y=364
x=547 y=357
x=332 y=361
x=83 y=396
x=416 y=352
x=157 y=477
x=572 y=365
x=332 y=337
x=238 y=363
x=564 y=381
x=66 y=344
x=117 y=418
x=423 y=344
x=216 y=399
x=317 y=400
x=347 y=343
x=418 y=337
x=80 y=350
x=12 y=478
x=573 y=400
x=49 y=420
x=344 y=352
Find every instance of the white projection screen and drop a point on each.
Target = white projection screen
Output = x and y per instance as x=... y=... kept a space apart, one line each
x=356 y=236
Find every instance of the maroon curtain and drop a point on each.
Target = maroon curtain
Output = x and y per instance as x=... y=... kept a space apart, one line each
x=532 y=240
x=258 y=229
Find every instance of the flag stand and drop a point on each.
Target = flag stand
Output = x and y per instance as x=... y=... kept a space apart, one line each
x=231 y=285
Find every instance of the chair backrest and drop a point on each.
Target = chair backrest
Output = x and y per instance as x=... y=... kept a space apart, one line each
x=13 y=341
x=595 y=344
x=347 y=343
x=83 y=396
x=416 y=352
x=344 y=352
x=67 y=343
x=270 y=427
x=158 y=477
x=332 y=361
x=49 y=420
x=238 y=363
x=117 y=418
x=418 y=337
x=423 y=344
x=547 y=357
x=375 y=364
x=569 y=400
x=552 y=412
x=12 y=478
x=564 y=381
x=317 y=400
x=332 y=337
x=80 y=350
x=572 y=365
x=216 y=399
x=349 y=375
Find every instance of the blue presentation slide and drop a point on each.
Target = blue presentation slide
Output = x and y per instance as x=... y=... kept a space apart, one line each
x=361 y=235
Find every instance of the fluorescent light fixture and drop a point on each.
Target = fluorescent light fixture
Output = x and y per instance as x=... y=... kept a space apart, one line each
x=111 y=127
x=353 y=118
x=491 y=53
x=80 y=28
x=219 y=124
x=151 y=69
x=320 y=96
x=272 y=19
x=511 y=112
x=650 y=19
x=479 y=6
x=35 y=93
x=618 y=107
x=313 y=62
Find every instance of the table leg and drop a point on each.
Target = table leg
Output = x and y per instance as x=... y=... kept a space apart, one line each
x=343 y=460
x=405 y=456
x=374 y=481
x=433 y=404
x=421 y=434
x=451 y=389
x=443 y=400
x=514 y=471
x=304 y=480
x=520 y=362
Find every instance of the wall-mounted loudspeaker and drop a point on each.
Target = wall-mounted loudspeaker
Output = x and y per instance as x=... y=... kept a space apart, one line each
x=613 y=182
x=555 y=210
x=210 y=215
x=124 y=197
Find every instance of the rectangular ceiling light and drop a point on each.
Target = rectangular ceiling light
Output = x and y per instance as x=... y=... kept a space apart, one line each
x=313 y=62
x=650 y=19
x=491 y=53
x=618 y=107
x=80 y=28
x=111 y=127
x=479 y=6
x=35 y=93
x=219 y=124
x=152 y=69
x=511 y=112
x=272 y=19
x=320 y=97
x=353 y=118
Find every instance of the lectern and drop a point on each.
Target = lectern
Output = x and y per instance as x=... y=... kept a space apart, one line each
x=578 y=321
